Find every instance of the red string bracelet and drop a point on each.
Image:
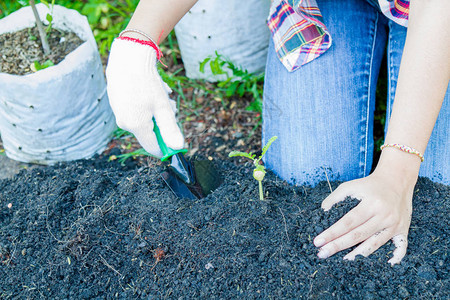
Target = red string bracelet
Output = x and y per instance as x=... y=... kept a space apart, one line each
x=150 y=42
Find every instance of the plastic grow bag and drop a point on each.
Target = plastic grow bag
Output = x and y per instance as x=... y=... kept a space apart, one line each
x=60 y=113
x=236 y=29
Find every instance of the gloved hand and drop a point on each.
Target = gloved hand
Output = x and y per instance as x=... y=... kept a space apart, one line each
x=137 y=94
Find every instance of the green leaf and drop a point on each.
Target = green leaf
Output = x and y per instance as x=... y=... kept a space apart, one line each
x=45 y=3
x=266 y=147
x=47 y=63
x=49 y=18
x=254 y=90
x=23 y=2
x=222 y=84
x=216 y=69
x=244 y=154
x=139 y=152
x=36 y=66
x=255 y=105
x=231 y=90
x=241 y=90
x=203 y=64
x=260 y=168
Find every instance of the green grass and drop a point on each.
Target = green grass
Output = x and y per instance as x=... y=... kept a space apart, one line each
x=120 y=133
x=133 y=154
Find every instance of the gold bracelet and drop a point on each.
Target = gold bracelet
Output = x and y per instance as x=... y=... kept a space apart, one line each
x=404 y=149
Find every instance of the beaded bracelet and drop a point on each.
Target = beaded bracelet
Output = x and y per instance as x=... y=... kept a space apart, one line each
x=404 y=149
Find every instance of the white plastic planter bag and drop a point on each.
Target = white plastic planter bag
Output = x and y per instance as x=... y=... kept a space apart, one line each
x=60 y=113
x=235 y=29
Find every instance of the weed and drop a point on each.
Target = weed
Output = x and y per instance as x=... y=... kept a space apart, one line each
x=159 y=255
x=241 y=82
x=123 y=157
x=119 y=133
x=260 y=171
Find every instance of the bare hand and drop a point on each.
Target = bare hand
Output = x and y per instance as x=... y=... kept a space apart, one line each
x=384 y=213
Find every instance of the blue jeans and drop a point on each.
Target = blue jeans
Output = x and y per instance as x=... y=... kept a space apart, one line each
x=323 y=113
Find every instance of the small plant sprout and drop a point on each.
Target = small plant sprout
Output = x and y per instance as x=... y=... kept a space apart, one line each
x=260 y=171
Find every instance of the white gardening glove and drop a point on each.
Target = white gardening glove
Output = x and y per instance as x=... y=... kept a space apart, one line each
x=137 y=94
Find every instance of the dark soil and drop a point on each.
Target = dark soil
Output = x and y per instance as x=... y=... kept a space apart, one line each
x=22 y=48
x=96 y=229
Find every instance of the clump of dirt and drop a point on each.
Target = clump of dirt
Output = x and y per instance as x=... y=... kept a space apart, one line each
x=22 y=48
x=97 y=229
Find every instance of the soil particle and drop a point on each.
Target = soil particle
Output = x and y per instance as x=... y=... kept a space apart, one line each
x=97 y=229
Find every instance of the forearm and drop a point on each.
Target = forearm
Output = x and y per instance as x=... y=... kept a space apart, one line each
x=422 y=83
x=158 y=17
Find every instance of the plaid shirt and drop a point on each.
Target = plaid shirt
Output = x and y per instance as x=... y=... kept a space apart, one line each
x=299 y=34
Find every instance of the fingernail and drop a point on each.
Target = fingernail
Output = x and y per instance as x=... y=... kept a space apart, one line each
x=318 y=242
x=322 y=253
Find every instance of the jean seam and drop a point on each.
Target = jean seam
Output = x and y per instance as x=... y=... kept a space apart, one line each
x=369 y=99
x=390 y=78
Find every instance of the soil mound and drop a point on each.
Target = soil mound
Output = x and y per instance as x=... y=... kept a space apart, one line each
x=93 y=228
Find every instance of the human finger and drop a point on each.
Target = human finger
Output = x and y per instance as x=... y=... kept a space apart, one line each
x=147 y=138
x=354 y=218
x=353 y=237
x=170 y=132
x=370 y=245
x=337 y=196
x=401 y=244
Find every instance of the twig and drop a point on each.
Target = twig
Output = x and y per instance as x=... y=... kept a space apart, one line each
x=285 y=225
x=328 y=181
x=41 y=30
x=109 y=266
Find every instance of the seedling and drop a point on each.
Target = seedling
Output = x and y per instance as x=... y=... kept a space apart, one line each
x=260 y=171
x=36 y=66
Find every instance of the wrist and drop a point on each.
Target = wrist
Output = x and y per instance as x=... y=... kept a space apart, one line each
x=140 y=37
x=134 y=35
x=401 y=167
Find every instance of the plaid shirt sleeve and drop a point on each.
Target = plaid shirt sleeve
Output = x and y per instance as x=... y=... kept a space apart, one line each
x=396 y=10
x=299 y=34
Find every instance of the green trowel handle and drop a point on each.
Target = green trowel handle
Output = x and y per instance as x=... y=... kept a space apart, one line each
x=167 y=152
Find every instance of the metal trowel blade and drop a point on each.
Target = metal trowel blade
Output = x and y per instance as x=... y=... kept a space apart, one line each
x=204 y=179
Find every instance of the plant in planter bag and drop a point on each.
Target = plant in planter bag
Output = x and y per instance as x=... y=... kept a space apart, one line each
x=53 y=107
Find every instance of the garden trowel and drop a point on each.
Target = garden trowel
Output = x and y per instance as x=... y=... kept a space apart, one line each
x=187 y=179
